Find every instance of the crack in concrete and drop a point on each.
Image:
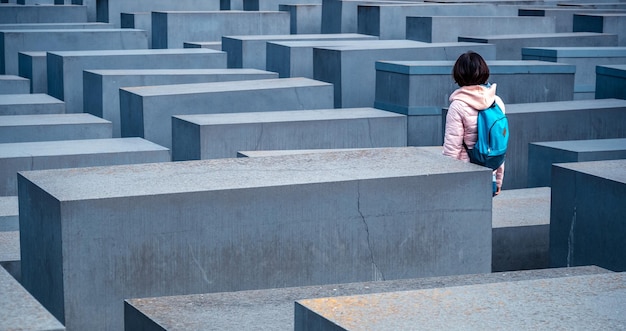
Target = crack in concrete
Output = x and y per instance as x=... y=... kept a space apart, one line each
x=377 y=275
x=195 y=260
x=570 y=240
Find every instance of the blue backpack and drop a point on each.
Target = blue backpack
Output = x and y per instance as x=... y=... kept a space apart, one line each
x=493 y=138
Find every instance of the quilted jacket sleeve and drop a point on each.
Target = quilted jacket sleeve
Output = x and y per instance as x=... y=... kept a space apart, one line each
x=454 y=132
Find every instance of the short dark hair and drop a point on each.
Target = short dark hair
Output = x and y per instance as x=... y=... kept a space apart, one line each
x=470 y=69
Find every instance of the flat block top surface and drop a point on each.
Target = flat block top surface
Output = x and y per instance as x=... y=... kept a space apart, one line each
x=8 y=206
x=617 y=70
x=77 y=147
x=244 y=310
x=239 y=173
x=136 y=52
x=69 y=31
x=9 y=250
x=51 y=119
x=28 y=99
x=12 y=78
x=320 y=36
x=495 y=67
x=394 y=44
x=581 y=146
x=522 y=207
x=542 y=107
x=614 y=170
x=539 y=35
x=176 y=72
x=556 y=52
x=287 y=116
x=258 y=84
x=587 y=302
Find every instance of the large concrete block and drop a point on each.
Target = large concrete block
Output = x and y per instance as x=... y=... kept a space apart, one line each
x=65 y=69
x=20 y=311
x=14 y=41
x=602 y=22
x=533 y=304
x=273 y=5
x=25 y=156
x=30 y=104
x=199 y=137
x=304 y=18
x=564 y=15
x=351 y=69
x=584 y=58
x=250 y=51
x=389 y=20
x=146 y=111
x=400 y=88
x=587 y=214
x=55 y=26
x=101 y=95
x=49 y=127
x=111 y=10
x=10 y=253
x=562 y=120
x=216 y=45
x=171 y=29
x=249 y=223
x=449 y=28
x=12 y=14
x=541 y=155
x=243 y=310
x=509 y=47
x=92 y=16
x=11 y=84
x=32 y=65
x=611 y=81
x=9 y=220
x=141 y=20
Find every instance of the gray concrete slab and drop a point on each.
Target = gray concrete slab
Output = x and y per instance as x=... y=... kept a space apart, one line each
x=249 y=51
x=91 y=8
x=14 y=41
x=73 y=154
x=521 y=230
x=32 y=65
x=351 y=69
x=199 y=137
x=16 y=14
x=244 y=309
x=171 y=29
x=55 y=26
x=273 y=5
x=602 y=22
x=304 y=18
x=216 y=45
x=509 y=47
x=541 y=155
x=586 y=302
x=12 y=84
x=611 y=81
x=9 y=220
x=146 y=111
x=10 y=259
x=101 y=95
x=561 y=120
x=49 y=127
x=65 y=69
x=30 y=104
x=564 y=15
x=343 y=217
x=141 y=20
x=111 y=10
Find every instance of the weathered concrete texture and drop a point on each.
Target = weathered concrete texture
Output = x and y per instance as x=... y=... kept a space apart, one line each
x=171 y=29
x=562 y=120
x=110 y=10
x=101 y=95
x=509 y=47
x=47 y=127
x=11 y=84
x=521 y=229
x=605 y=22
x=146 y=111
x=351 y=69
x=199 y=137
x=32 y=65
x=26 y=104
x=304 y=18
x=10 y=255
x=581 y=302
x=91 y=8
x=55 y=26
x=141 y=20
x=244 y=309
x=449 y=28
x=15 y=14
x=389 y=21
x=72 y=154
x=541 y=155
x=8 y=214
x=611 y=81
x=14 y=41
x=564 y=15
x=249 y=223
x=250 y=51
x=65 y=69
x=20 y=311
x=587 y=214
x=584 y=58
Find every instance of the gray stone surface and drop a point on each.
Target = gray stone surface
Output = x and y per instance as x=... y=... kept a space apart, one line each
x=9 y=220
x=111 y=10
x=65 y=69
x=304 y=18
x=20 y=311
x=273 y=5
x=27 y=104
x=521 y=229
x=611 y=81
x=602 y=22
x=14 y=41
x=141 y=20
x=10 y=256
x=172 y=29
x=564 y=15
x=249 y=223
x=509 y=47
x=541 y=155
x=55 y=26
x=11 y=84
x=47 y=127
x=244 y=309
x=91 y=8
x=351 y=69
x=581 y=302
x=26 y=156
x=101 y=95
x=561 y=120
x=199 y=137
x=587 y=214
x=146 y=111
x=32 y=65
x=216 y=45
x=16 y=14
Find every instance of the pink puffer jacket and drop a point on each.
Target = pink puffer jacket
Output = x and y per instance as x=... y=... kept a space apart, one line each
x=465 y=103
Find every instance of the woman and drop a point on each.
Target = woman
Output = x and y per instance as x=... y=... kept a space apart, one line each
x=471 y=73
